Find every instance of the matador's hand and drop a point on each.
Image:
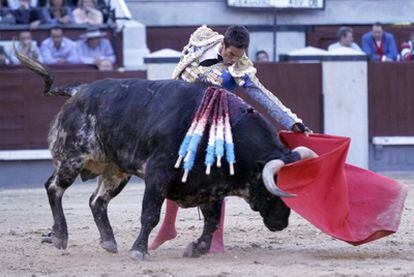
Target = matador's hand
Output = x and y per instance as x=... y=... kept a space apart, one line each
x=301 y=128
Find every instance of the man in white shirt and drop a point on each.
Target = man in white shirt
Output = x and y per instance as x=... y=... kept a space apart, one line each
x=58 y=49
x=345 y=39
x=95 y=48
x=27 y=46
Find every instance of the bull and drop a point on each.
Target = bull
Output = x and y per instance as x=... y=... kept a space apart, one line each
x=116 y=128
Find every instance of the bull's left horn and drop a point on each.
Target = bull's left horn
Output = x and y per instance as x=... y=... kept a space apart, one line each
x=272 y=167
x=268 y=174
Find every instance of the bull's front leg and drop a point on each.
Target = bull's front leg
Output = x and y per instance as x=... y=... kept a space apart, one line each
x=150 y=216
x=211 y=213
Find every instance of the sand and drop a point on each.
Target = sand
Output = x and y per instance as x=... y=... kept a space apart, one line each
x=251 y=250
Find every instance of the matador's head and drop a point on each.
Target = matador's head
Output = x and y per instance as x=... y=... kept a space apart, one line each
x=236 y=41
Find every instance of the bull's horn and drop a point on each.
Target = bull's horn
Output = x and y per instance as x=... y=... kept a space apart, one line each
x=268 y=174
x=305 y=153
x=272 y=167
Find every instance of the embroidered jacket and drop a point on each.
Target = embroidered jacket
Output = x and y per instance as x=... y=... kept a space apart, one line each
x=242 y=74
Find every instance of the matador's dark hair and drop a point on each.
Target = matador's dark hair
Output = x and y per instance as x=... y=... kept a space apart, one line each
x=237 y=36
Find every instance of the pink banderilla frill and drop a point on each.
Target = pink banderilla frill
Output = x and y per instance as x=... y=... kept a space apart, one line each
x=201 y=108
x=213 y=105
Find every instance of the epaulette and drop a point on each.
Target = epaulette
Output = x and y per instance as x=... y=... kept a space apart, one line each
x=242 y=67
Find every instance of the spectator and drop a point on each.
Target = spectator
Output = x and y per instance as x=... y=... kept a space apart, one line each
x=262 y=56
x=4 y=60
x=25 y=14
x=58 y=49
x=345 y=39
x=57 y=13
x=87 y=13
x=14 y=4
x=106 y=65
x=6 y=17
x=407 y=49
x=379 y=45
x=27 y=46
x=94 y=49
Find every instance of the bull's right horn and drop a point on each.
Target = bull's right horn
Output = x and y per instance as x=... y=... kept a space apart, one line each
x=272 y=167
x=305 y=153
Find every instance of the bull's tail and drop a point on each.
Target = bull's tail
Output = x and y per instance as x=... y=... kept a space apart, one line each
x=48 y=78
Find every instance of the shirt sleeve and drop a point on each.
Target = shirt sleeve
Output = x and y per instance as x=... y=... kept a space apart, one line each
x=393 y=48
x=276 y=109
x=108 y=51
x=82 y=56
x=356 y=47
x=95 y=18
x=36 y=50
x=47 y=54
x=367 y=48
x=13 y=57
x=45 y=16
x=73 y=54
x=244 y=74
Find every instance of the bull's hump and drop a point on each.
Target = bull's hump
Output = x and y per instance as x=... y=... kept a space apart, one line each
x=238 y=108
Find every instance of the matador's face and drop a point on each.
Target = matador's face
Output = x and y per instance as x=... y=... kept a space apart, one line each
x=231 y=54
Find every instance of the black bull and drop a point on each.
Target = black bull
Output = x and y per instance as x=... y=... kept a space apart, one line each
x=118 y=128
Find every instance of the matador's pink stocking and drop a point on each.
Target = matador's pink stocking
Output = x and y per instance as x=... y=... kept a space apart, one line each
x=168 y=231
x=217 y=243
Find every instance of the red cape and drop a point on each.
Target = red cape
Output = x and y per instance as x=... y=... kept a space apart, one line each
x=344 y=201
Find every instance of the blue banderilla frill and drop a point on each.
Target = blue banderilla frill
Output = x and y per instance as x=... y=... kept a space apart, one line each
x=213 y=108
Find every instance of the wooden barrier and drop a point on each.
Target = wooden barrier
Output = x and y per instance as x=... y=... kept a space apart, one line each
x=391 y=99
x=298 y=86
x=25 y=114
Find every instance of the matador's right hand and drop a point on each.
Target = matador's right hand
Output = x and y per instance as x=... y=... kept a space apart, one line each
x=299 y=127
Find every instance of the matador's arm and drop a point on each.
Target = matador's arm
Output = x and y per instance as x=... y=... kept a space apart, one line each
x=276 y=109
x=243 y=75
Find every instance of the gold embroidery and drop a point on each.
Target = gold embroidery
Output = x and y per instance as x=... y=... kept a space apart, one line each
x=200 y=41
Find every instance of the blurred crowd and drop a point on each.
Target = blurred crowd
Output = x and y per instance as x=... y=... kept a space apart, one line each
x=36 y=12
x=378 y=45
x=92 y=48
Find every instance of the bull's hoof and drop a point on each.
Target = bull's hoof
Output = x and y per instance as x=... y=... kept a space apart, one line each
x=47 y=238
x=59 y=243
x=195 y=250
x=109 y=246
x=139 y=256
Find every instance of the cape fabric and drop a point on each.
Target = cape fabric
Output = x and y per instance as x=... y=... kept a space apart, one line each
x=344 y=201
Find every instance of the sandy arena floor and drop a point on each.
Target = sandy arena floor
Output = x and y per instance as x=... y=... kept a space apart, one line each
x=252 y=250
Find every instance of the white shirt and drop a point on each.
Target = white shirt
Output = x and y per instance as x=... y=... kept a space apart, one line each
x=337 y=45
x=211 y=53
